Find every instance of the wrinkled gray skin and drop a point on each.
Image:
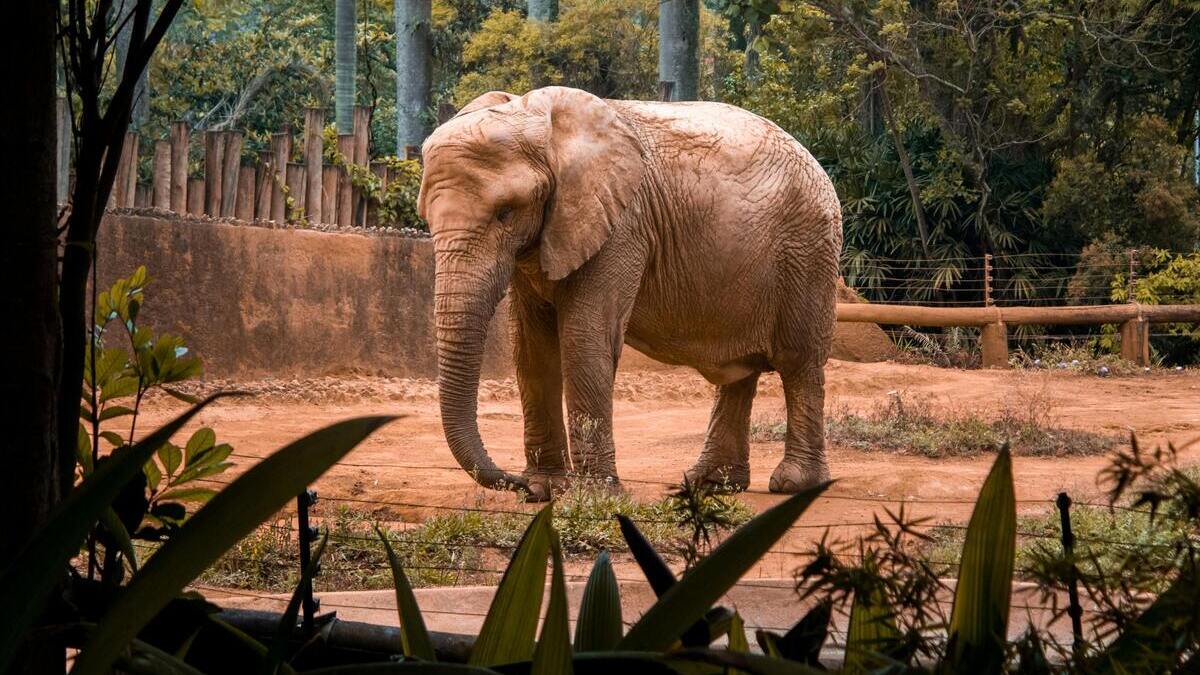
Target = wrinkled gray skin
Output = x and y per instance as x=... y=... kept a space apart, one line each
x=698 y=233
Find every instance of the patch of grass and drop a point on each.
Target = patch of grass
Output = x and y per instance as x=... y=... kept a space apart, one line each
x=1075 y=357
x=455 y=547
x=914 y=426
x=1103 y=539
x=952 y=347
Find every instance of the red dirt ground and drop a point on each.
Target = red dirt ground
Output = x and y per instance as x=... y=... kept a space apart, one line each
x=661 y=415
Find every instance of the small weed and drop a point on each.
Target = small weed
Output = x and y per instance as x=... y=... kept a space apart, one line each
x=915 y=426
x=1076 y=357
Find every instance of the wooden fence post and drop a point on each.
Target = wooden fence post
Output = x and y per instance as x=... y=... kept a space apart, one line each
x=179 y=166
x=362 y=152
x=229 y=173
x=281 y=150
x=244 y=206
x=314 y=148
x=295 y=191
x=345 y=202
x=993 y=339
x=265 y=186
x=162 y=175
x=329 y=192
x=195 y=196
x=214 y=163
x=1135 y=341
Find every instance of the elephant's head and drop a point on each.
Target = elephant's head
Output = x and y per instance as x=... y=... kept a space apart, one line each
x=543 y=176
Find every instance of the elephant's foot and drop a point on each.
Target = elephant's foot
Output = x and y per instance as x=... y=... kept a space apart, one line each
x=723 y=476
x=795 y=475
x=544 y=485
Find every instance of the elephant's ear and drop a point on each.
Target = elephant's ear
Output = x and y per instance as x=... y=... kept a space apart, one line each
x=487 y=100
x=597 y=163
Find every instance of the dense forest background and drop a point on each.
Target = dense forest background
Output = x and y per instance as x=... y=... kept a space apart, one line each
x=1054 y=135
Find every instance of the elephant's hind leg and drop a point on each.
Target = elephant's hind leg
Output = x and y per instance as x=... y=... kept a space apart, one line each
x=725 y=460
x=804 y=463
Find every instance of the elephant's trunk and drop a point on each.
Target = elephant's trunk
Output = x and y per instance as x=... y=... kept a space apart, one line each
x=465 y=299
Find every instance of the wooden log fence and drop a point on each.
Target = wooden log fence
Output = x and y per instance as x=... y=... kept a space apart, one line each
x=1134 y=318
x=281 y=186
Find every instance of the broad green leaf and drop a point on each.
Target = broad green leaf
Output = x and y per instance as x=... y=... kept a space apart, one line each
x=553 y=653
x=153 y=474
x=27 y=582
x=871 y=635
x=414 y=639
x=804 y=641
x=171 y=457
x=120 y=387
x=116 y=528
x=658 y=574
x=769 y=643
x=244 y=504
x=287 y=620
x=113 y=411
x=83 y=450
x=979 y=620
x=689 y=599
x=599 y=626
x=113 y=438
x=737 y=640
x=195 y=494
x=201 y=441
x=508 y=631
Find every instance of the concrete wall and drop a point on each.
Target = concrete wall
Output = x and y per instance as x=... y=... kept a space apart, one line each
x=254 y=301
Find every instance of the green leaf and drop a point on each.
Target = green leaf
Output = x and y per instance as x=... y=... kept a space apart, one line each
x=287 y=620
x=414 y=639
x=171 y=456
x=116 y=528
x=599 y=624
x=194 y=494
x=244 y=504
x=689 y=599
x=125 y=385
x=657 y=573
x=146 y=659
x=804 y=641
x=113 y=411
x=553 y=653
x=153 y=474
x=208 y=463
x=871 y=635
x=27 y=582
x=1151 y=642
x=511 y=624
x=113 y=437
x=737 y=640
x=175 y=393
x=979 y=620
x=83 y=450
x=201 y=441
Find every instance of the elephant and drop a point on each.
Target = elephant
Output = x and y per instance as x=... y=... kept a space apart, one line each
x=698 y=233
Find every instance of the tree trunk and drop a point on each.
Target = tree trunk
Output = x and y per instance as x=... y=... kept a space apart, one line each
x=413 y=72
x=29 y=267
x=914 y=190
x=141 y=93
x=678 y=42
x=346 y=66
x=542 y=10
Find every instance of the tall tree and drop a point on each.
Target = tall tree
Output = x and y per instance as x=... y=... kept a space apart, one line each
x=413 y=72
x=141 y=93
x=28 y=267
x=345 y=65
x=678 y=47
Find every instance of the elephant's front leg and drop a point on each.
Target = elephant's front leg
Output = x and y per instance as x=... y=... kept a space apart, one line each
x=539 y=376
x=591 y=336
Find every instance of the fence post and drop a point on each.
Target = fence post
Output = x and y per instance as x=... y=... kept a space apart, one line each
x=1074 y=610
x=179 y=166
x=314 y=148
x=162 y=175
x=987 y=280
x=993 y=340
x=1135 y=341
x=230 y=173
x=214 y=164
x=296 y=192
x=244 y=205
x=281 y=150
x=307 y=534
x=362 y=158
x=345 y=200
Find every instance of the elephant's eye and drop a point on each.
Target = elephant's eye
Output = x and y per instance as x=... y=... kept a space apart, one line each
x=503 y=214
